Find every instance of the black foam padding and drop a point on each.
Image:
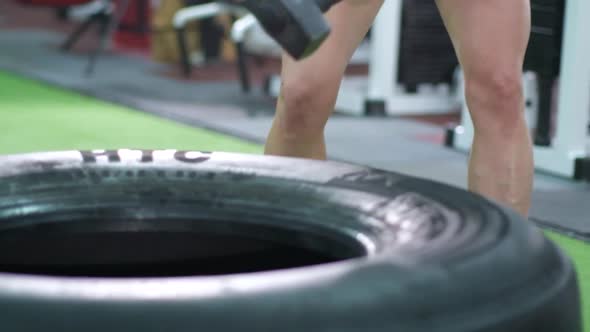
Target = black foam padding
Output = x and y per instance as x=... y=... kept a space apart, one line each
x=544 y=50
x=426 y=51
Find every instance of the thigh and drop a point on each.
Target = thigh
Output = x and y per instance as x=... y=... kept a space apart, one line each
x=488 y=34
x=350 y=22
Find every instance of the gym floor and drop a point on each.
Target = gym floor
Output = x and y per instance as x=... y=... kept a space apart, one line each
x=46 y=104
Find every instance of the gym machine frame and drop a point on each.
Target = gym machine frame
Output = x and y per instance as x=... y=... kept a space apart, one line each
x=378 y=93
x=567 y=154
x=197 y=13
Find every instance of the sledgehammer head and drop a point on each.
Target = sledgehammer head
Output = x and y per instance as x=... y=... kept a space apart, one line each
x=298 y=26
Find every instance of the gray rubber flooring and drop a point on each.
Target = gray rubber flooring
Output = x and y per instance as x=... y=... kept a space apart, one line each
x=398 y=145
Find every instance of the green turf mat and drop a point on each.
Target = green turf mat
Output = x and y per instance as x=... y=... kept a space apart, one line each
x=580 y=252
x=37 y=117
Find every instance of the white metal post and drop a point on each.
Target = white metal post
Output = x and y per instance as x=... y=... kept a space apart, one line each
x=385 y=42
x=574 y=94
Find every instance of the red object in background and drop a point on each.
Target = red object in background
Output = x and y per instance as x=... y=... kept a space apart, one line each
x=133 y=33
x=135 y=29
x=53 y=3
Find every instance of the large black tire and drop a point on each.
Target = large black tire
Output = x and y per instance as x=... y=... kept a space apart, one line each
x=189 y=241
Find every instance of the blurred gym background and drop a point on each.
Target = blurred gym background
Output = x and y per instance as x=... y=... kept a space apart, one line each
x=196 y=74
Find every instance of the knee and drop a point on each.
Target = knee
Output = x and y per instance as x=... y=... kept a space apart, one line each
x=495 y=96
x=306 y=105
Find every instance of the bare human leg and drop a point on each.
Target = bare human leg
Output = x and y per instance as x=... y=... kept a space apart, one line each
x=490 y=38
x=310 y=87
